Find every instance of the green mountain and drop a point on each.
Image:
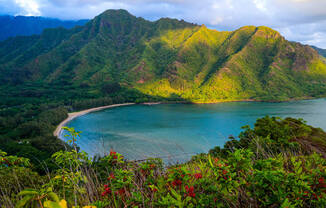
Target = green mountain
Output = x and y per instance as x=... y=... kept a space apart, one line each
x=117 y=58
x=166 y=58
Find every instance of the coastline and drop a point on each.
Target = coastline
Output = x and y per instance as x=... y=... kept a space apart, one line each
x=83 y=112
x=73 y=115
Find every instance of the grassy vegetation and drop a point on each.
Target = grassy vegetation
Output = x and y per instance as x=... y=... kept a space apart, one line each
x=268 y=166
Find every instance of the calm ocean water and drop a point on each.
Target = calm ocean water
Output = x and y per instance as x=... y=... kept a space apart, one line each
x=175 y=132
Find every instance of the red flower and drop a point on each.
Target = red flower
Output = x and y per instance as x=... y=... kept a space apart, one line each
x=112 y=153
x=111 y=177
x=315 y=195
x=107 y=190
x=225 y=172
x=321 y=180
x=177 y=182
x=190 y=191
x=198 y=175
x=121 y=192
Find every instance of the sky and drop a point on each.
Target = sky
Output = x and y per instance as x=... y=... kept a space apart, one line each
x=298 y=20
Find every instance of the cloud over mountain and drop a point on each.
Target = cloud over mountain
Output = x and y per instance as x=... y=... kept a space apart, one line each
x=298 y=20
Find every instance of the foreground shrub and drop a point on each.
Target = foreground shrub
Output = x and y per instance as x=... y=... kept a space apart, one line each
x=249 y=172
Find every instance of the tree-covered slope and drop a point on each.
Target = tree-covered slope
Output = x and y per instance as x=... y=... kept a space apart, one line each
x=249 y=63
x=167 y=58
x=12 y=26
x=277 y=163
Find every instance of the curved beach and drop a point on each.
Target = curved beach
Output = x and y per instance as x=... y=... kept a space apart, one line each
x=80 y=113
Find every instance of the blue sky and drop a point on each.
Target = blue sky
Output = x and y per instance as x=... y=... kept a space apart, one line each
x=298 y=20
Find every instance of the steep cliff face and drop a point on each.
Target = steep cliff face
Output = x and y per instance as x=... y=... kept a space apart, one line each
x=167 y=58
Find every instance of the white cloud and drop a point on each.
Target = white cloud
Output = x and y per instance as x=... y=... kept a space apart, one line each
x=260 y=4
x=29 y=7
x=291 y=17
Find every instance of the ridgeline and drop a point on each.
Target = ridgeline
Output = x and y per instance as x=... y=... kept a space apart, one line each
x=167 y=58
x=119 y=58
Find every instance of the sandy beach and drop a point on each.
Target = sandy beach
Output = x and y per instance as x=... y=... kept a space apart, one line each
x=80 y=113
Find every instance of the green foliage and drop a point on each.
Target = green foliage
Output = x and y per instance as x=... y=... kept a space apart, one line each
x=15 y=178
x=36 y=198
x=117 y=50
x=118 y=58
x=273 y=135
x=12 y=161
x=246 y=172
x=69 y=177
x=72 y=135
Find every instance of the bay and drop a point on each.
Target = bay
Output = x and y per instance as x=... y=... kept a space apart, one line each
x=175 y=132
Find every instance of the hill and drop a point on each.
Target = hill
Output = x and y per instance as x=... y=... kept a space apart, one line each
x=321 y=51
x=12 y=26
x=167 y=58
x=118 y=58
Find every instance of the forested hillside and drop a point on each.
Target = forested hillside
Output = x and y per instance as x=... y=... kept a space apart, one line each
x=117 y=57
x=167 y=58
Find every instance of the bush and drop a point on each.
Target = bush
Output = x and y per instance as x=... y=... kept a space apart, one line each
x=249 y=172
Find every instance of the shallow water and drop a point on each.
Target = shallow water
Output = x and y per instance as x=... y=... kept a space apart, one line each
x=177 y=131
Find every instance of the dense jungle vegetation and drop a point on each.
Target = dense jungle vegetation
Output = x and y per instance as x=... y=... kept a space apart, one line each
x=166 y=58
x=278 y=163
x=29 y=116
x=118 y=58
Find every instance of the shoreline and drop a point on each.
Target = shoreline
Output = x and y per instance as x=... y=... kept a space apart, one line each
x=74 y=115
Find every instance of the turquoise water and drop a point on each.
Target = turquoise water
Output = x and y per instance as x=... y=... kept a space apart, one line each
x=177 y=131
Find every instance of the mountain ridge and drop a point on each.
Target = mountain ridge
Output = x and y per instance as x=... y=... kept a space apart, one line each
x=119 y=58
x=321 y=51
x=167 y=58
